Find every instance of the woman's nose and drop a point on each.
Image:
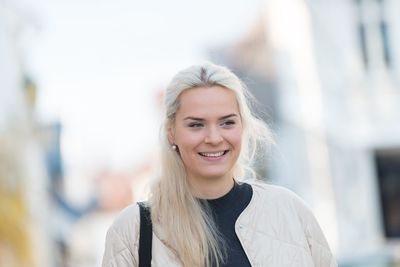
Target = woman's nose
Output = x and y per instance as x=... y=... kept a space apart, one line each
x=213 y=136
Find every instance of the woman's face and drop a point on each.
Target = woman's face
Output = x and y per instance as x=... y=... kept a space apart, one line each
x=208 y=132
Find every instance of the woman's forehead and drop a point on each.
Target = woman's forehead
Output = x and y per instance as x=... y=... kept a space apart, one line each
x=208 y=99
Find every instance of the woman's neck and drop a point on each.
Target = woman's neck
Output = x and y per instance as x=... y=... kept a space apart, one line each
x=211 y=188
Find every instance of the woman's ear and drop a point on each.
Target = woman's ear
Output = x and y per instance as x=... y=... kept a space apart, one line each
x=171 y=136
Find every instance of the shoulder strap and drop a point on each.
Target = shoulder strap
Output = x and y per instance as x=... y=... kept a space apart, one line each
x=146 y=234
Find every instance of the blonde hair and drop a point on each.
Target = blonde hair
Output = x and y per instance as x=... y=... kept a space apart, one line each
x=188 y=229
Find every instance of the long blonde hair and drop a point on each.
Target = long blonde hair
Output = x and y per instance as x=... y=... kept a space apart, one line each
x=188 y=229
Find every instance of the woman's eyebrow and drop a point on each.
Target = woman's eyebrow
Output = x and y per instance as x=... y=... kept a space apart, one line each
x=228 y=116
x=200 y=119
x=193 y=118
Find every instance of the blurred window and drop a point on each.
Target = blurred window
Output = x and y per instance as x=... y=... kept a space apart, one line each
x=383 y=27
x=388 y=170
x=371 y=19
x=362 y=34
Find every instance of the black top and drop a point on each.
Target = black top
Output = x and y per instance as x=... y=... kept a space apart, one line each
x=225 y=211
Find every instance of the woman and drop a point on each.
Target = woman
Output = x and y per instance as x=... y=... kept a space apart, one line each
x=202 y=214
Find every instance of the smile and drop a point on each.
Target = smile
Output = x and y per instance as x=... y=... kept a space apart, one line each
x=213 y=154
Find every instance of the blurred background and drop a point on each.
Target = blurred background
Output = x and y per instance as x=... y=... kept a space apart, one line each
x=81 y=87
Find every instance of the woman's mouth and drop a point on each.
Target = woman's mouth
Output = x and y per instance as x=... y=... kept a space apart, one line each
x=213 y=155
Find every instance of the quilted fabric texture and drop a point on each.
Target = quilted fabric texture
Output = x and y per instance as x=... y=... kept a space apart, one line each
x=276 y=230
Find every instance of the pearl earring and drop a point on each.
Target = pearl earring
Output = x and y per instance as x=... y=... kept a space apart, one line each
x=174 y=147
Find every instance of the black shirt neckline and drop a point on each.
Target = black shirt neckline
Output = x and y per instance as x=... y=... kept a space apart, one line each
x=225 y=199
x=225 y=211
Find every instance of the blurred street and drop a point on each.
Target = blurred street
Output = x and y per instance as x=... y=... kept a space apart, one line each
x=81 y=91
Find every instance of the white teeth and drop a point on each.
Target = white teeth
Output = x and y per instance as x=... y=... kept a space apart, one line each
x=213 y=154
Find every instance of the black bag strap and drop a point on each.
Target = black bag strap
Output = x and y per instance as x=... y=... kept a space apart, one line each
x=146 y=234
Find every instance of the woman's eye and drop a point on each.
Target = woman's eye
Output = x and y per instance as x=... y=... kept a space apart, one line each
x=195 y=125
x=228 y=123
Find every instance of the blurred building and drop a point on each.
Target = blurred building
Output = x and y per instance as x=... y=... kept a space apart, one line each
x=23 y=177
x=329 y=72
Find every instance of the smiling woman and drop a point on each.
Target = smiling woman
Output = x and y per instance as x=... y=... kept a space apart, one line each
x=202 y=211
x=208 y=132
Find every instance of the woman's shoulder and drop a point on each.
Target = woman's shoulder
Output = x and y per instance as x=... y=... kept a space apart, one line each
x=123 y=238
x=288 y=208
x=271 y=191
x=126 y=225
x=277 y=197
x=269 y=195
x=129 y=216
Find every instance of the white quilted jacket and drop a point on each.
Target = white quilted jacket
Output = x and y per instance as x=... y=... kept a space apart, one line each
x=276 y=230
